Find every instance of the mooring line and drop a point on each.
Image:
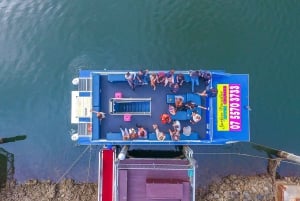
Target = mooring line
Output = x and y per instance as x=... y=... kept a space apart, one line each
x=90 y=158
x=73 y=164
x=247 y=155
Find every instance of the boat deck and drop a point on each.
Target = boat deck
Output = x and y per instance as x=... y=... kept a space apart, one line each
x=158 y=106
x=101 y=90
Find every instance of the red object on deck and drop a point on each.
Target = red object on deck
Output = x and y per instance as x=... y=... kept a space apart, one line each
x=108 y=174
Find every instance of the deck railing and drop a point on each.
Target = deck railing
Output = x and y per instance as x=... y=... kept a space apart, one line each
x=83 y=129
x=155 y=166
x=85 y=84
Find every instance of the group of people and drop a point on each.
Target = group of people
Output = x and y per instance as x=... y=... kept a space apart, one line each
x=141 y=132
x=181 y=106
x=167 y=79
x=137 y=78
x=174 y=81
x=132 y=133
x=142 y=77
x=197 y=75
x=174 y=132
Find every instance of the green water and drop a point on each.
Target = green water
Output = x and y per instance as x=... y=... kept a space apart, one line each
x=44 y=43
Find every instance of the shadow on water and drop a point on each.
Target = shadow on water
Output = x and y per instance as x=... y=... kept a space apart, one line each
x=271 y=152
x=7 y=168
x=155 y=152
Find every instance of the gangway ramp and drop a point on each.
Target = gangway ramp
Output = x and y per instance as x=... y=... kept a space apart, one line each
x=133 y=106
x=106 y=175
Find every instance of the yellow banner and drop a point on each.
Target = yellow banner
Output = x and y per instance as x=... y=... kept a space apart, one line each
x=223 y=107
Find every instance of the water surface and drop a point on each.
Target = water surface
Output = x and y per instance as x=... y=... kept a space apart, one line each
x=44 y=43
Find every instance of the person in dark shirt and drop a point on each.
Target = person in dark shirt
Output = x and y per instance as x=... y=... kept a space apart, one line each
x=141 y=77
x=180 y=79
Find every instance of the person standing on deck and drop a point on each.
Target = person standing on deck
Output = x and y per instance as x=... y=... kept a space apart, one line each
x=100 y=115
x=194 y=79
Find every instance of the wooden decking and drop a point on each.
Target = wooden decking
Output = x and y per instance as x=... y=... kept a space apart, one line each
x=153 y=179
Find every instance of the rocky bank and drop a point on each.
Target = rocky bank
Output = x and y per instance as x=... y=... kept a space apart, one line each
x=34 y=190
x=245 y=188
x=231 y=188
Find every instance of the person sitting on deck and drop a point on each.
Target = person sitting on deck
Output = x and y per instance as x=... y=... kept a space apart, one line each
x=174 y=87
x=195 y=117
x=130 y=77
x=161 y=77
x=160 y=136
x=172 y=110
x=100 y=115
x=175 y=133
x=141 y=77
x=206 y=76
x=125 y=133
x=153 y=80
x=180 y=79
x=212 y=92
x=142 y=133
x=179 y=103
x=187 y=130
x=132 y=133
x=165 y=119
x=191 y=105
x=169 y=78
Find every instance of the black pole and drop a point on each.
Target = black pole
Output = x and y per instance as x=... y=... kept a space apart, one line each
x=12 y=139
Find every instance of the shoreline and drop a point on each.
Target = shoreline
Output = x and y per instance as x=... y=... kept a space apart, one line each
x=232 y=187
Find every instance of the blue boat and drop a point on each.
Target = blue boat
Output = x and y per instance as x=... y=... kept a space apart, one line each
x=226 y=119
x=130 y=112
